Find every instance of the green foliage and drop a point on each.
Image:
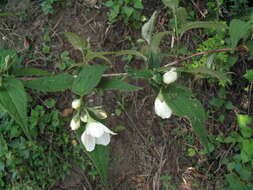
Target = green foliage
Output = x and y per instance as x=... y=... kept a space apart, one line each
x=126 y=10
x=181 y=101
x=236 y=36
x=48 y=6
x=40 y=163
x=202 y=24
x=54 y=83
x=13 y=100
x=221 y=103
x=100 y=158
x=240 y=165
x=249 y=75
x=173 y=4
x=88 y=79
x=77 y=42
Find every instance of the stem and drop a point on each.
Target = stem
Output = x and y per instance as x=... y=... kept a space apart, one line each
x=176 y=24
x=169 y=64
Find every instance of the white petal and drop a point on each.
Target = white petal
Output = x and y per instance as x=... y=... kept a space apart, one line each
x=75 y=122
x=107 y=130
x=95 y=129
x=88 y=141
x=76 y=103
x=162 y=109
x=170 y=77
x=104 y=139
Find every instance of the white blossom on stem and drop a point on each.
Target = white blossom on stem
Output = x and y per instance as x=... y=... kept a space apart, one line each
x=96 y=133
x=162 y=109
x=170 y=76
x=76 y=104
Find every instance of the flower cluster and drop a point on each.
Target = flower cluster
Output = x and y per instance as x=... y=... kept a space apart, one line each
x=161 y=107
x=95 y=132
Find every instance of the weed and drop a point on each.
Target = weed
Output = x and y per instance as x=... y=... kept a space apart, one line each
x=39 y=163
x=126 y=10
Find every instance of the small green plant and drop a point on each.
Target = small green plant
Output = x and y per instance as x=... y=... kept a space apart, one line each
x=240 y=165
x=126 y=10
x=220 y=103
x=47 y=6
x=40 y=163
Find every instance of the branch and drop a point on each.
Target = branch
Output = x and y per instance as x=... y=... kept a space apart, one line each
x=205 y=53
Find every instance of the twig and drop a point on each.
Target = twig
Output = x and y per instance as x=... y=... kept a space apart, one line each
x=196 y=6
x=205 y=53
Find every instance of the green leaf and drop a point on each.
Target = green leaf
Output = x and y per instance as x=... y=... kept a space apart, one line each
x=182 y=15
x=148 y=28
x=55 y=83
x=127 y=10
x=236 y=36
x=109 y=3
x=31 y=71
x=156 y=40
x=182 y=103
x=249 y=75
x=244 y=121
x=131 y=52
x=249 y=45
x=173 y=4
x=216 y=74
x=138 y=4
x=140 y=73
x=91 y=55
x=13 y=100
x=100 y=158
x=88 y=79
x=247 y=147
x=118 y=84
x=13 y=58
x=201 y=24
x=76 y=41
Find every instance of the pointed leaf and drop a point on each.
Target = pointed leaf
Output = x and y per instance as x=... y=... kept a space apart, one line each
x=236 y=36
x=76 y=41
x=182 y=103
x=216 y=74
x=173 y=4
x=55 y=83
x=131 y=52
x=88 y=79
x=201 y=24
x=13 y=99
x=249 y=75
x=100 y=159
x=30 y=71
x=148 y=28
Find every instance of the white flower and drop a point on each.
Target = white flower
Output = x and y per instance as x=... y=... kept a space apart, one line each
x=76 y=103
x=170 y=76
x=162 y=109
x=75 y=122
x=96 y=133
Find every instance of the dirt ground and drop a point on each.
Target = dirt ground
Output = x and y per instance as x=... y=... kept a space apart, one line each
x=149 y=148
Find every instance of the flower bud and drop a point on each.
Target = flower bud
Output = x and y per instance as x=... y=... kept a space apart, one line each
x=101 y=114
x=84 y=117
x=162 y=109
x=170 y=76
x=76 y=103
x=75 y=122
